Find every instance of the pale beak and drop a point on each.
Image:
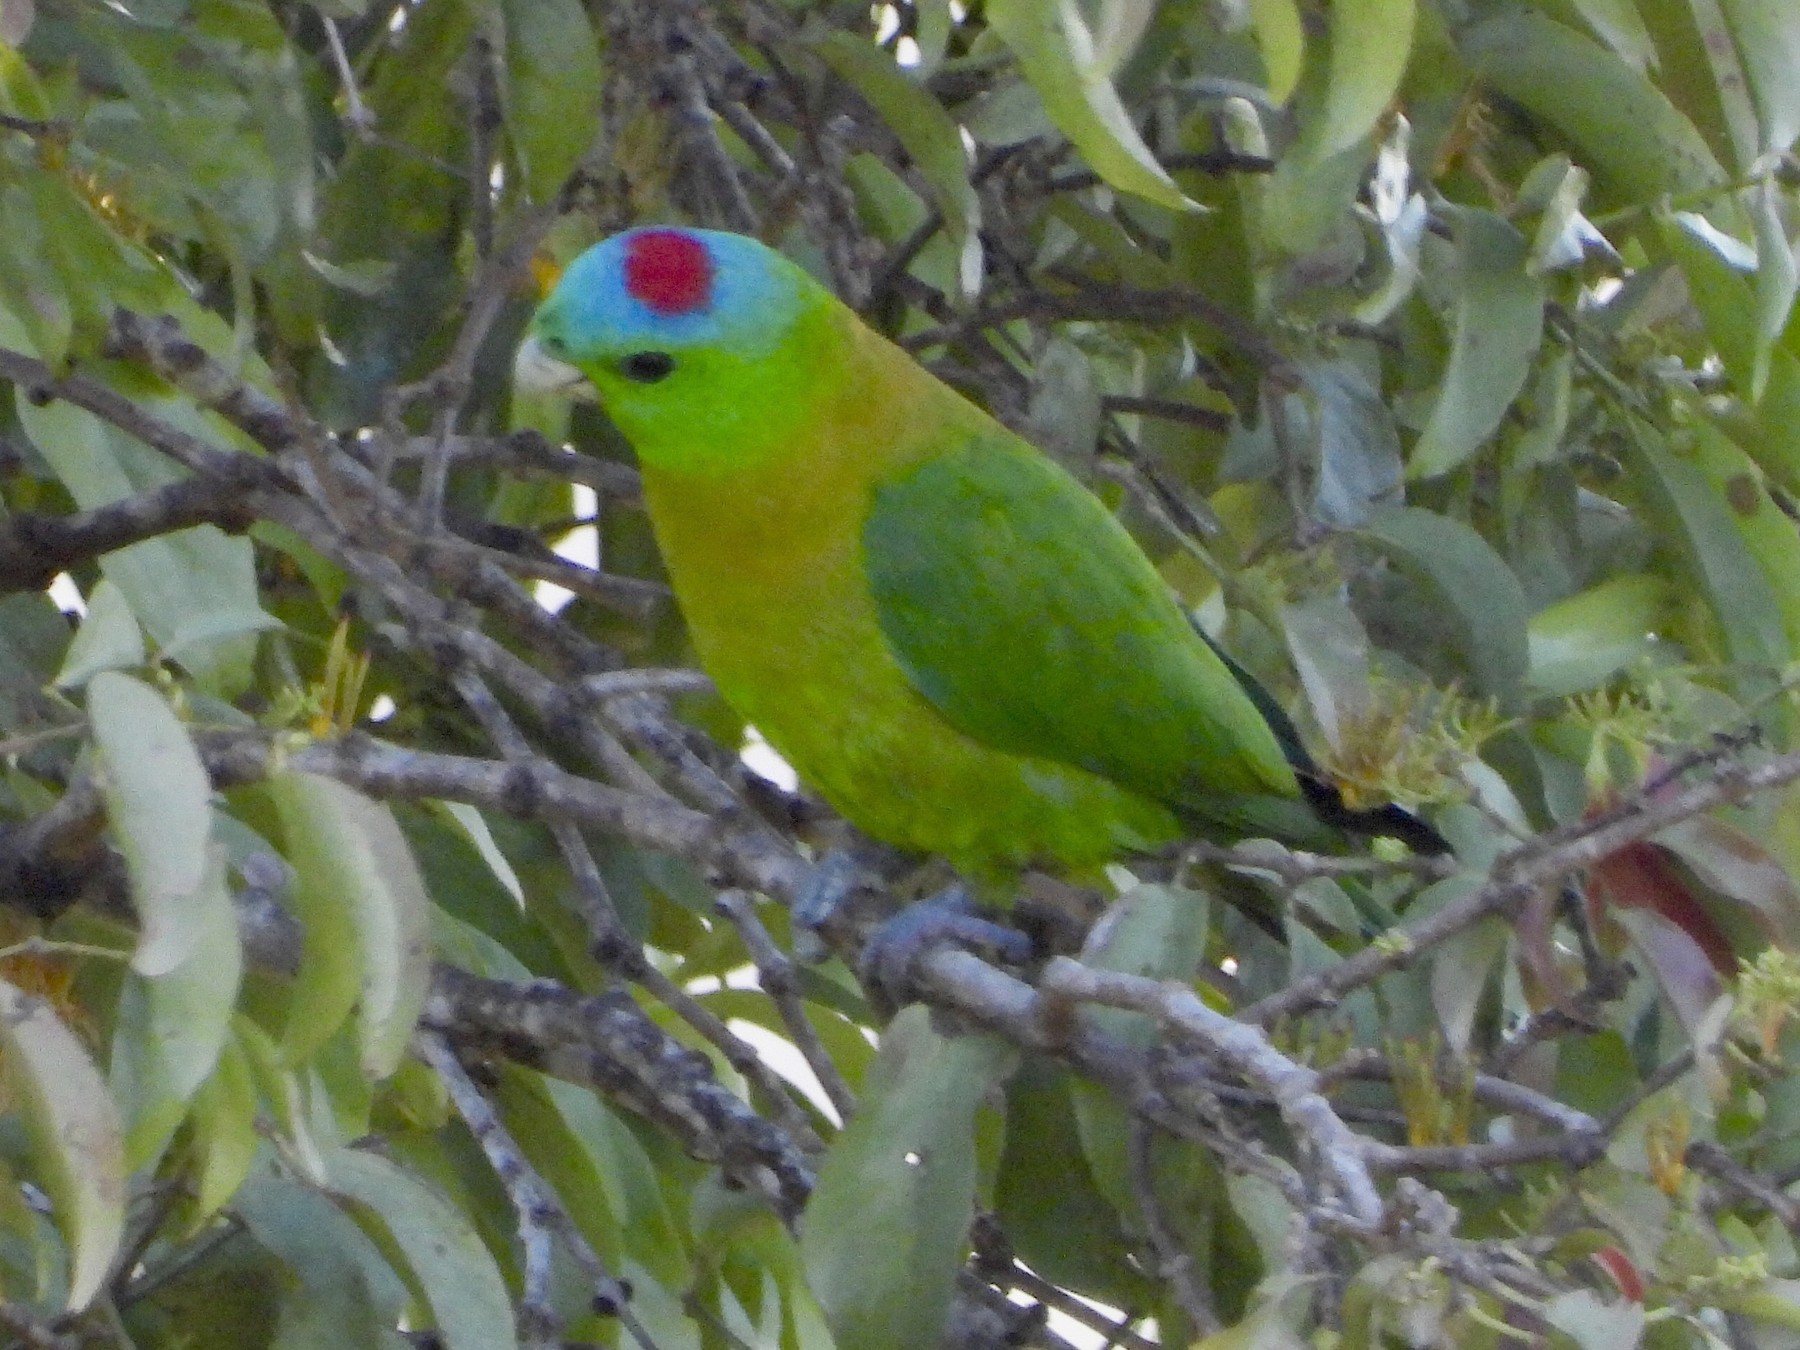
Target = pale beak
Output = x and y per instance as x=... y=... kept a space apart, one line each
x=536 y=370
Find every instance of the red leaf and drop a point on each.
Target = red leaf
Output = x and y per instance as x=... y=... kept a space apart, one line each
x=1623 y=1270
x=1641 y=876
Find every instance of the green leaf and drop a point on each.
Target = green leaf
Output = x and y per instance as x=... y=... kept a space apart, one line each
x=1048 y=1202
x=1370 y=43
x=1158 y=932
x=554 y=82
x=1056 y=53
x=108 y=639
x=170 y=1030
x=558 y=1146
x=1774 y=437
x=175 y=1006
x=1636 y=141
x=887 y=1228
x=1582 y=641
x=1768 y=42
x=159 y=801
x=194 y=590
x=38 y=314
x=1714 y=263
x=1282 y=40
x=1766 y=529
x=225 y=1135
x=1594 y=1324
x=1694 y=518
x=336 y=1288
x=462 y=1288
x=34 y=639
x=1774 y=1301
x=1152 y=930
x=1064 y=416
x=1460 y=570
x=1711 y=78
x=1358 y=444
x=1618 y=24
x=1499 y=326
x=366 y=916
x=1330 y=651
x=1776 y=279
x=1461 y=973
x=929 y=134
x=76 y=1147
x=473 y=826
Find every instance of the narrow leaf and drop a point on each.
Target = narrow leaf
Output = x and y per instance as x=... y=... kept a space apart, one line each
x=1694 y=517
x=1580 y=642
x=75 y=1135
x=1282 y=40
x=1461 y=570
x=1370 y=43
x=1776 y=278
x=1499 y=326
x=453 y=1268
x=225 y=1134
x=159 y=801
x=1636 y=141
x=553 y=89
x=170 y=1029
x=108 y=639
x=928 y=133
x=1714 y=265
x=1768 y=41
x=887 y=1228
x=366 y=916
x=1056 y=53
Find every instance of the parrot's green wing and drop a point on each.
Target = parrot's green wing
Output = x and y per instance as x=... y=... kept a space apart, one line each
x=1026 y=615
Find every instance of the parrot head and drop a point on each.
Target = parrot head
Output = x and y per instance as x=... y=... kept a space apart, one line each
x=699 y=344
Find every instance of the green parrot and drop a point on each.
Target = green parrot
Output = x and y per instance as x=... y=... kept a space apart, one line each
x=946 y=635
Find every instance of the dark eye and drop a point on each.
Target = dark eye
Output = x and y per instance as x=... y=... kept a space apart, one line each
x=647 y=367
x=553 y=344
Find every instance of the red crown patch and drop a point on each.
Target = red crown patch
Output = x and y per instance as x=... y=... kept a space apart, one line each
x=669 y=272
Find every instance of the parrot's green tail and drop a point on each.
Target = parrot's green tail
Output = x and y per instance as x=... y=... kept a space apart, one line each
x=1390 y=820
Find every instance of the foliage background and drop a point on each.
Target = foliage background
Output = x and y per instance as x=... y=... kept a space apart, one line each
x=389 y=961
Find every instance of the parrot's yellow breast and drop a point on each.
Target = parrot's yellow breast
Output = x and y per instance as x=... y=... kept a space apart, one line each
x=767 y=565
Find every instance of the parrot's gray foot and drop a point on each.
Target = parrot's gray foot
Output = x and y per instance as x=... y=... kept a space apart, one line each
x=893 y=949
x=834 y=879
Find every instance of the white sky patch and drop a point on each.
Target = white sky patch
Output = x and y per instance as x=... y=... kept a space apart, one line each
x=580 y=546
x=780 y=1055
x=1605 y=289
x=772 y=1048
x=66 y=595
x=763 y=760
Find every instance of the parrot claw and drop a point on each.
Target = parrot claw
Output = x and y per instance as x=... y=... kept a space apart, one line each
x=947 y=917
x=833 y=880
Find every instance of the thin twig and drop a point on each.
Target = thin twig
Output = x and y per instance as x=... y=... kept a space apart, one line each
x=776 y=974
x=540 y=1214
